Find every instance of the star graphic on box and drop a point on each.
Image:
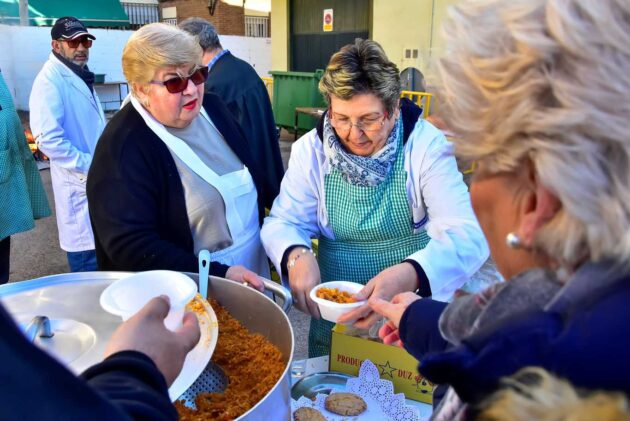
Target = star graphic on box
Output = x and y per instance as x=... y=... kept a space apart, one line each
x=386 y=370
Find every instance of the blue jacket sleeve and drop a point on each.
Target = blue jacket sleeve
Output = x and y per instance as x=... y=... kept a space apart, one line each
x=36 y=387
x=419 y=330
x=131 y=381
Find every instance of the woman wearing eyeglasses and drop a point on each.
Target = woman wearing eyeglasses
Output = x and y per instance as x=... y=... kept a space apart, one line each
x=172 y=174
x=379 y=189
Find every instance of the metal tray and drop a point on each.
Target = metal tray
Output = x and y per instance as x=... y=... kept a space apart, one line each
x=82 y=328
x=315 y=383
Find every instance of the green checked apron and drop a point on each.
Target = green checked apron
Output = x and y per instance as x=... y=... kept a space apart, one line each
x=373 y=227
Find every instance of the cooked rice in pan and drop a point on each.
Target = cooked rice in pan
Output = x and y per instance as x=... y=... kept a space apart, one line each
x=252 y=364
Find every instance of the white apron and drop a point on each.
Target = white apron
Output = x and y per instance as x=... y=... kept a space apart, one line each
x=239 y=195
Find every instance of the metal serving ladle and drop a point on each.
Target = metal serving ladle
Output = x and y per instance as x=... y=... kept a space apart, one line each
x=204 y=272
x=213 y=378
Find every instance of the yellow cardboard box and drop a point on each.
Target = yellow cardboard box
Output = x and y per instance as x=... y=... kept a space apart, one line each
x=394 y=363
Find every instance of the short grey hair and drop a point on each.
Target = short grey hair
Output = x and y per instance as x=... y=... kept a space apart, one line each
x=548 y=81
x=204 y=31
x=362 y=68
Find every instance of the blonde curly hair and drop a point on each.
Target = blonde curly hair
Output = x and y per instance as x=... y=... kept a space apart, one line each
x=535 y=394
x=549 y=81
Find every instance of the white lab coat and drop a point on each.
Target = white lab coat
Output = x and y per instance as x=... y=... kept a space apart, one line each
x=68 y=119
x=438 y=197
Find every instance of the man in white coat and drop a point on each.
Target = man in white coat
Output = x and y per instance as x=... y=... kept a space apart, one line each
x=67 y=118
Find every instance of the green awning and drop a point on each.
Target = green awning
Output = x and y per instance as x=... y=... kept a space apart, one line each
x=109 y=13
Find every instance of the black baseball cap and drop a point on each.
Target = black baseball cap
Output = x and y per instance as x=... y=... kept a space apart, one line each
x=69 y=27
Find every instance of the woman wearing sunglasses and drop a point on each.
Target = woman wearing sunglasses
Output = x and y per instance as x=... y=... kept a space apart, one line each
x=172 y=174
x=377 y=186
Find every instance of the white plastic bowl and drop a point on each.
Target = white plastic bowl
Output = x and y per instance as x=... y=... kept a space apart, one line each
x=330 y=310
x=127 y=296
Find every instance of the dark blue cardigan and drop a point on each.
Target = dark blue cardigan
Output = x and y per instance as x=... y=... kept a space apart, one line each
x=586 y=342
x=136 y=197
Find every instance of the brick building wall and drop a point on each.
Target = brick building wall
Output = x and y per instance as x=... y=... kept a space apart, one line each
x=228 y=20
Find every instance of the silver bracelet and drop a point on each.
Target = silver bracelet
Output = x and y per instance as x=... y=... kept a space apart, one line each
x=295 y=259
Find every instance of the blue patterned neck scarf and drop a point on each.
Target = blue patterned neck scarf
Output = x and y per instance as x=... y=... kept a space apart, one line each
x=363 y=171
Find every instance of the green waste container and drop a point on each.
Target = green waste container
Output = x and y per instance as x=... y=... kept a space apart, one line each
x=296 y=89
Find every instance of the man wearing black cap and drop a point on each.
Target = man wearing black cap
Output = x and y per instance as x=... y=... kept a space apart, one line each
x=67 y=118
x=69 y=35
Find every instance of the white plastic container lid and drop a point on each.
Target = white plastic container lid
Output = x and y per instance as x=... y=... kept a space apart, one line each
x=127 y=296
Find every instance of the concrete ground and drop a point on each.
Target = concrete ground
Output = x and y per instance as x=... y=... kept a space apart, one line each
x=36 y=253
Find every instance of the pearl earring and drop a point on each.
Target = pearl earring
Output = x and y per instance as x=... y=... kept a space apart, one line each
x=513 y=241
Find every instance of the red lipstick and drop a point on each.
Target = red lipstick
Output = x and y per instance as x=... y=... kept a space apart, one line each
x=190 y=105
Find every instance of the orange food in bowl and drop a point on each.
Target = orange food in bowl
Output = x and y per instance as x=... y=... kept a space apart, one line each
x=336 y=296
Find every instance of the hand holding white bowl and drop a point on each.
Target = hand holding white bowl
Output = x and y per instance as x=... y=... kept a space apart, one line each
x=127 y=296
x=331 y=310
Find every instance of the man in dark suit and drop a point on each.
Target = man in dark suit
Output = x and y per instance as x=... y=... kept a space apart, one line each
x=240 y=87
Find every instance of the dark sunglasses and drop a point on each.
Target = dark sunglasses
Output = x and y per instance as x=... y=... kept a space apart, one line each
x=179 y=84
x=74 y=43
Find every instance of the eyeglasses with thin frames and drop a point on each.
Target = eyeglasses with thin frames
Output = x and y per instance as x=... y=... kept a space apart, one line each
x=179 y=84
x=344 y=124
x=74 y=43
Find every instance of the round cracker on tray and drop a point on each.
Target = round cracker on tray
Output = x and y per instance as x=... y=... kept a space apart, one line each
x=345 y=404
x=308 y=414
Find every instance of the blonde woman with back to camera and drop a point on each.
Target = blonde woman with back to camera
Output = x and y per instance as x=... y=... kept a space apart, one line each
x=540 y=99
x=172 y=174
